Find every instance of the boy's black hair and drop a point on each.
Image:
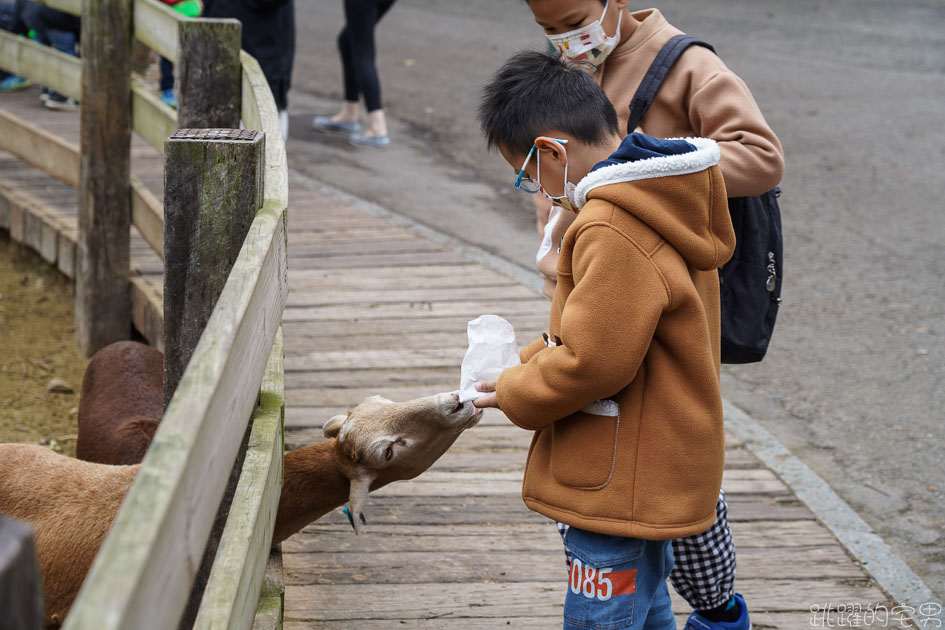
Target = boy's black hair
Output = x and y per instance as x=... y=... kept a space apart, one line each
x=536 y=92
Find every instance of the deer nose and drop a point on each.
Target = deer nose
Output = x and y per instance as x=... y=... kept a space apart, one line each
x=457 y=405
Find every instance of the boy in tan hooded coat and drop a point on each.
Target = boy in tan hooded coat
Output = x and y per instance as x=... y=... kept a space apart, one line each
x=623 y=391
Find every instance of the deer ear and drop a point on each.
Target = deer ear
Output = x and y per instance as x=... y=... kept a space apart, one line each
x=357 y=497
x=333 y=426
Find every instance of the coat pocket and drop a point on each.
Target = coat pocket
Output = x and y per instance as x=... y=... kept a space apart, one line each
x=584 y=446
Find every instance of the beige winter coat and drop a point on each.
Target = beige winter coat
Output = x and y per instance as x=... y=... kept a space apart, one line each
x=626 y=407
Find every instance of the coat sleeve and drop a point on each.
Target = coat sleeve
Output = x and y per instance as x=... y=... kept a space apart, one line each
x=532 y=349
x=752 y=159
x=606 y=327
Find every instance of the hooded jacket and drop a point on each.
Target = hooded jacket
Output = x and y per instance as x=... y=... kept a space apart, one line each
x=623 y=392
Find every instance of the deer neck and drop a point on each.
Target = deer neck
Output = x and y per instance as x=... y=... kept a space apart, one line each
x=313 y=485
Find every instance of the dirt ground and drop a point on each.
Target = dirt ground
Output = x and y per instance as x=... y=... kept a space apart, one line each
x=37 y=348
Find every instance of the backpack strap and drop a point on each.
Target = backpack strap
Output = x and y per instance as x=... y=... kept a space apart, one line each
x=662 y=64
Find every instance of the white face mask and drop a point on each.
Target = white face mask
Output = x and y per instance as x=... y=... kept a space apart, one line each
x=588 y=44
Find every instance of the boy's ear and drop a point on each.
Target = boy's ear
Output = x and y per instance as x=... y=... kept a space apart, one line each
x=551 y=149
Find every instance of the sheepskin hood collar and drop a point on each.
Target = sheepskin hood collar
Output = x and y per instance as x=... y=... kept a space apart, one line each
x=674 y=187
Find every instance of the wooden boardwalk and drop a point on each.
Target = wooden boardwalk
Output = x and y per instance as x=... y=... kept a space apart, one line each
x=374 y=309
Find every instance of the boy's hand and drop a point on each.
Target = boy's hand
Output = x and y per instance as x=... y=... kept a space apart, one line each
x=489 y=400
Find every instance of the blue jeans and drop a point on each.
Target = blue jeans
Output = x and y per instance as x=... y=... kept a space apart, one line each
x=617 y=582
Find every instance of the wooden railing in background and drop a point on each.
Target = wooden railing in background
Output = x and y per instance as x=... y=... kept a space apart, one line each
x=232 y=386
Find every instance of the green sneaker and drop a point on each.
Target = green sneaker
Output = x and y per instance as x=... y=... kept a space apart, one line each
x=13 y=83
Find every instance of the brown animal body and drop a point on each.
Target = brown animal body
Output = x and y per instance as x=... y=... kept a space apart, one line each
x=71 y=504
x=121 y=403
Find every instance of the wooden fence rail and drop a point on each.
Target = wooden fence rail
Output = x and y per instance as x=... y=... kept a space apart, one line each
x=233 y=381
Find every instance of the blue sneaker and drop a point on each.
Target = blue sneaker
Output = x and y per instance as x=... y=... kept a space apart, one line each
x=325 y=123
x=698 y=622
x=377 y=142
x=168 y=98
x=13 y=83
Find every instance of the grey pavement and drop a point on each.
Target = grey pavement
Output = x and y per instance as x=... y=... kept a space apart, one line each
x=854 y=383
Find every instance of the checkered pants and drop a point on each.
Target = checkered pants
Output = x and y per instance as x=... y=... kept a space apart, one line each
x=704 y=572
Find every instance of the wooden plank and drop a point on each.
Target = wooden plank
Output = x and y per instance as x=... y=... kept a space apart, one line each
x=20 y=584
x=41 y=64
x=155 y=25
x=499 y=559
x=768 y=621
x=418 y=277
x=209 y=74
x=147 y=311
x=147 y=214
x=306 y=378
x=376 y=359
x=469 y=309
x=102 y=307
x=500 y=510
x=435 y=623
x=38 y=147
x=356 y=326
x=499 y=600
x=370 y=261
x=780 y=534
x=141 y=576
x=272 y=597
x=361 y=248
x=213 y=186
x=150 y=118
x=239 y=568
x=356 y=235
x=259 y=112
x=73 y=7
x=338 y=538
x=394 y=294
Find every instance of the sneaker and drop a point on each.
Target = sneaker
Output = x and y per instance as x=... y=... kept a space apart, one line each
x=13 y=83
x=59 y=102
x=168 y=98
x=325 y=123
x=698 y=622
x=370 y=141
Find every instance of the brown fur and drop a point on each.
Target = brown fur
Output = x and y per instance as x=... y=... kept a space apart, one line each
x=71 y=504
x=122 y=403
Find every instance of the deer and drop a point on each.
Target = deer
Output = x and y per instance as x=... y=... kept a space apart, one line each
x=71 y=503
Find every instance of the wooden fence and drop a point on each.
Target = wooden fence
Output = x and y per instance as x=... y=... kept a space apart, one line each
x=227 y=410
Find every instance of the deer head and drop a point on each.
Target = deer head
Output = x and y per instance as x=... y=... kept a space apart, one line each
x=382 y=441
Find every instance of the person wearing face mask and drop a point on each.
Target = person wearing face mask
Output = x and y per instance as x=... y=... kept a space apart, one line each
x=623 y=390
x=700 y=96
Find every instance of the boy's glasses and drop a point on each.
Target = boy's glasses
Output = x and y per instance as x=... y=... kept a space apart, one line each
x=525 y=183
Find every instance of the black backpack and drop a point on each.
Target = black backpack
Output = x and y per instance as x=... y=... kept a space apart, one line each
x=750 y=282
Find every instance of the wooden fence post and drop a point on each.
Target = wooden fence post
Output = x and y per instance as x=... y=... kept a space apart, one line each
x=21 y=606
x=209 y=74
x=102 y=306
x=213 y=185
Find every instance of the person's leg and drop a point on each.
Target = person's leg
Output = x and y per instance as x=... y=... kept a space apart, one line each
x=167 y=74
x=9 y=82
x=617 y=582
x=704 y=573
x=362 y=16
x=346 y=119
x=349 y=108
